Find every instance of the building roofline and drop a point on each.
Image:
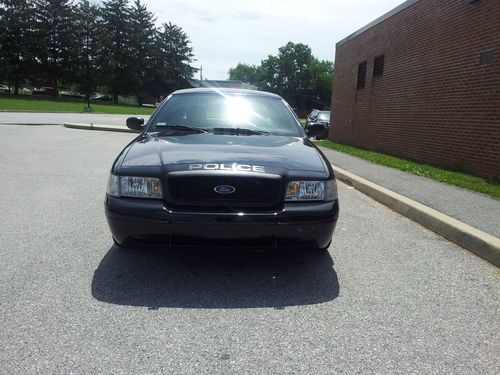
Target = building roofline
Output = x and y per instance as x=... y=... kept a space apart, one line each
x=389 y=14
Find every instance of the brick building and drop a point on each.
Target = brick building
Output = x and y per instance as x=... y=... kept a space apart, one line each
x=423 y=82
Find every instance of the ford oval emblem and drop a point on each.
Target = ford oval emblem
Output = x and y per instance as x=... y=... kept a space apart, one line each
x=224 y=189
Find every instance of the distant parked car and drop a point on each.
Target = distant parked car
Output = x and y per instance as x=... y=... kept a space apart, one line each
x=318 y=124
x=45 y=91
x=4 y=88
x=312 y=116
x=101 y=97
x=72 y=94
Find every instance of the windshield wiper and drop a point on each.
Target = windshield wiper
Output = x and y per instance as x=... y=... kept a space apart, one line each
x=166 y=129
x=238 y=131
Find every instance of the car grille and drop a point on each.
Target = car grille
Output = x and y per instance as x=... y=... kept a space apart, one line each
x=250 y=192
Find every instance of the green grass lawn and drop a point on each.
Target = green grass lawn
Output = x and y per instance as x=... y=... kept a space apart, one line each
x=463 y=180
x=39 y=104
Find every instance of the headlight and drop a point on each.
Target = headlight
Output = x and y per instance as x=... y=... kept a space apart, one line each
x=311 y=191
x=136 y=187
x=113 y=187
x=331 y=190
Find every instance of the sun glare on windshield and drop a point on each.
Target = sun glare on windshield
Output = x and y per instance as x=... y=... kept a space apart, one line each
x=238 y=110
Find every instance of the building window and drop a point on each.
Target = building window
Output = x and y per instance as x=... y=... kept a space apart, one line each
x=361 y=75
x=378 y=66
x=486 y=57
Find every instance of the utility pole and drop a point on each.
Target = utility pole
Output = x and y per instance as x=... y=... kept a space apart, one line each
x=201 y=73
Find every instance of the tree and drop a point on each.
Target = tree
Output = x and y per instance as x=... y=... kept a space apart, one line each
x=114 y=46
x=269 y=78
x=89 y=37
x=117 y=65
x=245 y=73
x=177 y=54
x=142 y=45
x=4 y=68
x=288 y=74
x=321 y=82
x=294 y=66
x=55 y=50
x=294 y=73
x=17 y=38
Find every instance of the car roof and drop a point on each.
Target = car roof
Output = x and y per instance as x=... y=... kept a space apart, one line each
x=204 y=90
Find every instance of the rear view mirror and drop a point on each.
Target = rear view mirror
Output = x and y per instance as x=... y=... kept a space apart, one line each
x=135 y=123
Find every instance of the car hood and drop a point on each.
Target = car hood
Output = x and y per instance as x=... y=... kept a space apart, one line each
x=278 y=154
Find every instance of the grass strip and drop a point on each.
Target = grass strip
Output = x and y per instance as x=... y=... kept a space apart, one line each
x=39 y=104
x=460 y=179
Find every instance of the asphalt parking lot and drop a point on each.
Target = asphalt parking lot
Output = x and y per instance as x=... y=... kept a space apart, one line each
x=389 y=296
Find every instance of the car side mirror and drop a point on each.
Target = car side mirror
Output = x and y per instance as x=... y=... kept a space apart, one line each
x=135 y=123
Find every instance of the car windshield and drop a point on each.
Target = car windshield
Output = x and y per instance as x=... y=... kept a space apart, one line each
x=323 y=116
x=209 y=111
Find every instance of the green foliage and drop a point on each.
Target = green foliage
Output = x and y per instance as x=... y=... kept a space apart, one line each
x=178 y=55
x=17 y=40
x=86 y=44
x=55 y=49
x=245 y=73
x=294 y=73
x=88 y=41
x=460 y=179
x=269 y=78
x=117 y=70
x=321 y=83
x=142 y=42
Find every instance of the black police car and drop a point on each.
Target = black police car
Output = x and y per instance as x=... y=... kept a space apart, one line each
x=222 y=168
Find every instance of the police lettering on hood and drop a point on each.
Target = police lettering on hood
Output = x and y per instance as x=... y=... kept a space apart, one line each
x=227 y=167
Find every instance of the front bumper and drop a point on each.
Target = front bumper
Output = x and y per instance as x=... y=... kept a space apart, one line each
x=136 y=222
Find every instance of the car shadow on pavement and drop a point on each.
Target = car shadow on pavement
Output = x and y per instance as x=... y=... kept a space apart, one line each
x=214 y=279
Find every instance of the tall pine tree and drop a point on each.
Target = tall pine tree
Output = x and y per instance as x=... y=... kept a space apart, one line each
x=88 y=53
x=177 y=56
x=116 y=45
x=117 y=70
x=17 y=39
x=142 y=44
x=55 y=26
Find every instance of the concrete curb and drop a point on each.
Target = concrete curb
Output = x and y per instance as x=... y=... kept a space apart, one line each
x=478 y=242
x=29 y=123
x=91 y=126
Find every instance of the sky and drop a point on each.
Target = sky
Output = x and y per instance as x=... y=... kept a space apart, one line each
x=226 y=32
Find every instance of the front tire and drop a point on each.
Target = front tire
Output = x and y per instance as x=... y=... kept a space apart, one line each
x=119 y=245
x=323 y=249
